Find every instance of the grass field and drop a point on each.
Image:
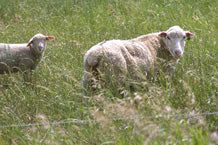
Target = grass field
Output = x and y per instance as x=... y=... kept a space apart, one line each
x=55 y=93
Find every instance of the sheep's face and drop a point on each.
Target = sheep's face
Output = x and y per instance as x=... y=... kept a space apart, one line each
x=38 y=42
x=174 y=38
x=39 y=45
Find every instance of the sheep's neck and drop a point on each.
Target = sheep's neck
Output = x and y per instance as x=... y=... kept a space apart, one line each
x=156 y=46
x=36 y=55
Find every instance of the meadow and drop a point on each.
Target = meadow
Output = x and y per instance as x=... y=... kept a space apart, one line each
x=54 y=93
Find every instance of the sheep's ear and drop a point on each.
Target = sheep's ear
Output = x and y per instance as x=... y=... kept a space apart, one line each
x=30 y=42
x=50 y=38
x=163 y=34
x=189 y=34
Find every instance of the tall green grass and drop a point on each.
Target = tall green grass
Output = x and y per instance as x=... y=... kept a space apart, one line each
x=55 y=91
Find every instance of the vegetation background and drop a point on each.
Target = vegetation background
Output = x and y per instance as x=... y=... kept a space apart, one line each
x=55 y=94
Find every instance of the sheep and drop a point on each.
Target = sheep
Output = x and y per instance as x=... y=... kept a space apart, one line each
x=22 y=57
x=140 y=54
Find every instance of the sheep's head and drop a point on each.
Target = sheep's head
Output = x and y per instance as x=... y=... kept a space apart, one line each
x=174 y=38
x=38 y=42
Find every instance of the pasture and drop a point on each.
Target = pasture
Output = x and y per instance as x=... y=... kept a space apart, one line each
x=54 y=93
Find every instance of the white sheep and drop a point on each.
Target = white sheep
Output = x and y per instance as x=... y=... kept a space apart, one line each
x=22 y=57
x=140 y=54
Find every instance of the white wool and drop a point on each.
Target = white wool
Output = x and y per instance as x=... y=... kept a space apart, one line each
x=22 y=57
x=135 y=55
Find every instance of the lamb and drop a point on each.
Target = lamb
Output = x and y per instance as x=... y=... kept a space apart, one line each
x=23 y=57
x=140 y=54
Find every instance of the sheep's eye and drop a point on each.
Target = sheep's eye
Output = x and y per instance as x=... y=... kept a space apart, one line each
x=184 y=37
x=168 y=37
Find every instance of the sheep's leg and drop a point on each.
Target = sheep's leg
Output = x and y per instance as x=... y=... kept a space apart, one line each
x=27 y=76
x=115 y=70
x=25 y=66
x=86 y=81
x=90 y=80
x=89 y=83
x=120 y=72
x=4 y=68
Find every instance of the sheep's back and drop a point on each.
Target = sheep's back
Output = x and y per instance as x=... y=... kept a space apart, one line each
x=15 y=57
x=129 y=54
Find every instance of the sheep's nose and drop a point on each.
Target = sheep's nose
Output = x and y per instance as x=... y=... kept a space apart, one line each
x=40 y=48
x=178 y=53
